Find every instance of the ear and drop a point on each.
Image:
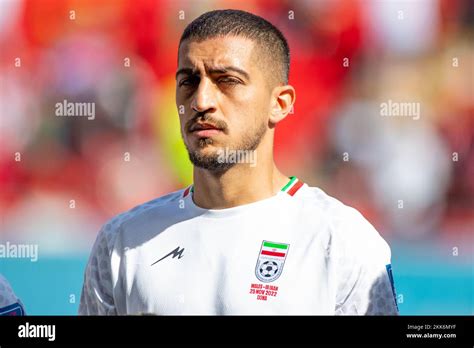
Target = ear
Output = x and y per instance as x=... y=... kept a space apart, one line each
x=283 y=98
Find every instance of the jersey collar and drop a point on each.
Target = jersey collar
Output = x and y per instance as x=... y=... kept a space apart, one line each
x=291 y=187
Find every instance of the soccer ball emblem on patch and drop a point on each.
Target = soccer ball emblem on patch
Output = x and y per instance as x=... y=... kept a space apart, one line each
x=270 y=261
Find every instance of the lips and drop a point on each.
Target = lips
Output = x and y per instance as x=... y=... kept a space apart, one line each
x=206 y=133
x=204 y=126
x=205 y=130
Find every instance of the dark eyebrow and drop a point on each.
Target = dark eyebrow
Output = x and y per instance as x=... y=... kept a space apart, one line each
x=186 y=71
x=223 y=70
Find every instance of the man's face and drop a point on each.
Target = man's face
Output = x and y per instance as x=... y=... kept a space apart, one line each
x=225 y=98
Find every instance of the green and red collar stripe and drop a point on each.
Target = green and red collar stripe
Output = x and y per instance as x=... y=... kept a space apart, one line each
x=290 y=188
x=188 y=189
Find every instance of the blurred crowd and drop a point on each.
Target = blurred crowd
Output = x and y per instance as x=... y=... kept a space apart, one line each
x=62 y=177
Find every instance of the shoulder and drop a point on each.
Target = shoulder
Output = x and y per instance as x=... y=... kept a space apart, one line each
x=6 y=292
x=349 y=230
x=10 y=304
x=161 y=205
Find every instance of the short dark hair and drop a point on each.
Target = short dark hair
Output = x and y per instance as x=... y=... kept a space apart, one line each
x=240 y=23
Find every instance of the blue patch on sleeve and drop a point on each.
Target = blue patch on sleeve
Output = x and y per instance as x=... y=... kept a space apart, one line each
x=15 y=309
x=390 y=276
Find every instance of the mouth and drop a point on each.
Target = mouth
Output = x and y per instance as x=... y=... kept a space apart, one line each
x=205 y=129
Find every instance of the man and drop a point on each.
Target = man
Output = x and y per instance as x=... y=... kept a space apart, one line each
x=10 y=304
x=244 y=239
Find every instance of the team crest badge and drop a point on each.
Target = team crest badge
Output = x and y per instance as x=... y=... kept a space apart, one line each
x=270 y=261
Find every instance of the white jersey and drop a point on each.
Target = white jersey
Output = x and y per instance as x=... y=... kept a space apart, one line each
x=10 y=304
x=297 y=252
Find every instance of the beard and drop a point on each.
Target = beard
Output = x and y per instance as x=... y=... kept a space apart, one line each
x=213 y=162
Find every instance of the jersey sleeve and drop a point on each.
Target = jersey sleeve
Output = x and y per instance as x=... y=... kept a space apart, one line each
x=364 y=277
x=97 y=291
x=10 y=304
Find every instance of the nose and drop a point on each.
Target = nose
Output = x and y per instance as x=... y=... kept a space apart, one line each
x=204 y=99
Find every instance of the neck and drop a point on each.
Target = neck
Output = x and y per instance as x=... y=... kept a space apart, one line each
x=241 y=184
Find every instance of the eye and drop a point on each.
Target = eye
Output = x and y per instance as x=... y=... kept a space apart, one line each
x=190 y=81
x=228 y=80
